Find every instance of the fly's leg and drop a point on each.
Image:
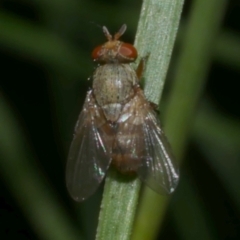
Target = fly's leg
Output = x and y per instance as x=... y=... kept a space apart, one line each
x=141 y=66
x=139 y=71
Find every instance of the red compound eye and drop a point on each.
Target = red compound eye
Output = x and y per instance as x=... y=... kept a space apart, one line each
x=96 y=53
x=128 y=50
x=113 y=51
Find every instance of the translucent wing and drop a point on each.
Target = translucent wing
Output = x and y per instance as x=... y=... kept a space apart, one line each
x=141 y=142
x=90 y=152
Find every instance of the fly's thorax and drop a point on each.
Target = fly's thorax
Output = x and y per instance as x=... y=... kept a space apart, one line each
x=113 y=83
x=113 y=87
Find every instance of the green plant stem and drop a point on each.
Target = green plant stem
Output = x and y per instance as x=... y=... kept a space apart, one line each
x=227 y=49
x=189 y=80
x=155 y=37
x=218 y=137
x=118 y=206
x=27 y=185
x=157 y=30
x=182 y=213
x=192 y=69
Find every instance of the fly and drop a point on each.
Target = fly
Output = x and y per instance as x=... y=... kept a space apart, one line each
x=118 y=126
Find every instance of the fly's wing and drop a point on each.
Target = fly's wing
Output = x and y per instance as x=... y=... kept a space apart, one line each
x=143 y=144
x=90 y=152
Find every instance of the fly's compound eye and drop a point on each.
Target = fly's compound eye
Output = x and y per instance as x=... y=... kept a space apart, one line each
x=114 y=51
x=97 y=52
x=127 y=52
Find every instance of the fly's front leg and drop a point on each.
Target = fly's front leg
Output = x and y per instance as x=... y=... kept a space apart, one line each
x=141 y=66
x=140 y=71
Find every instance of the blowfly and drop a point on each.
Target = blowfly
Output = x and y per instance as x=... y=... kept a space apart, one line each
x=118 y=126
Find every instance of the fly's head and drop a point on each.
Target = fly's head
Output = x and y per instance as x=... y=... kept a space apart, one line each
x=114 y=51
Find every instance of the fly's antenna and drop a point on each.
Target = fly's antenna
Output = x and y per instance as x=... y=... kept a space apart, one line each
x=120 y=32
x=107 y=34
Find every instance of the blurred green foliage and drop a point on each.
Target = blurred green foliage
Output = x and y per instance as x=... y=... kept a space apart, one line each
x=45 y=63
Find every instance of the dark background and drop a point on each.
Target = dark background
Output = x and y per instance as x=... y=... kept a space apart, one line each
x=45 y=60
